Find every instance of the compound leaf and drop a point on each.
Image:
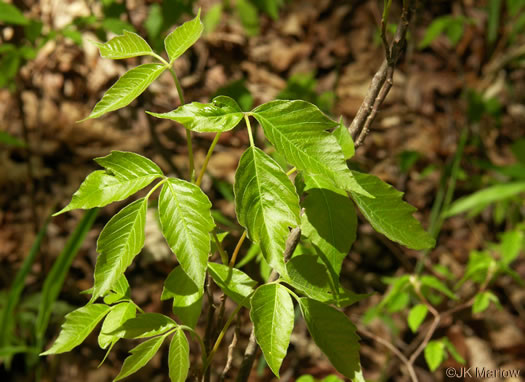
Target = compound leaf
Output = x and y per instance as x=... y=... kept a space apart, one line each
x=126 y=89
x=79 y=323
x=334 y=334
x=126 y=173
x=179 y=357
x=297 y=129
x=119 y=242
x=266 y=203
x=272 y=315
x=145 y=325
x=185 y=217
x=233 y=282
x=128 y=45
x=116 y=318
x=329 y=220
x=222 y=114
x=178 y=41
x=140 y=356
x=389 y=214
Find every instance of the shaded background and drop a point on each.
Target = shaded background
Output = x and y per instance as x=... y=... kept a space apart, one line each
x=463 y=74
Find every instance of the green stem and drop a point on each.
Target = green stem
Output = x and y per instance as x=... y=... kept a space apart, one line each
x=250 y=135
x=188 y=132
x=155 y=187
x=208 y=156
x=166 y=63
x=221 y=336
x=291 y=171
x=224 y=255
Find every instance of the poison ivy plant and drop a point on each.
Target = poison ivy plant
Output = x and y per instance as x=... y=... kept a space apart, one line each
x=268 y=205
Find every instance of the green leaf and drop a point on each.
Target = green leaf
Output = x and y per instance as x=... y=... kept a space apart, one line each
x=79 y=323
x=185 y=218
x=119 y=290
x=187 y=298
x=118 y=315
x=329 y=220
x=140 y=356
x=434 y=283
x=178 y=41
x=126 y=173
x=145 y=325
x=416 y=316
x=482 y=301
x=334 y=334
x=297 y=130
x=222 y=114
x=272 y=314
x=10 y=14
x=343 y=137
x=126 y=89
x=266 y=203
x=511 y=244
x=128 y=45
x=212 y=18
x=233 y=282
x=179 y=357
x=452 y=351
x=119 y=242
x=249 y=17
x=56 y=276
x=270 y=7
x=306 y=274
x=389 y=214
x=485 y=197
x=435 y=354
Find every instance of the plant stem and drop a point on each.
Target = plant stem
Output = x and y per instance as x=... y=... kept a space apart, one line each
x=155 y=187
x=250 y=135
x=291 y=171
x=237 y=249
x=199 y=339
x=224 y=255
x=221 y=335
x=208 y=156
x=188 y=132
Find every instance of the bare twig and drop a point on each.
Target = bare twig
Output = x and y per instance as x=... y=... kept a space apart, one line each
x=251 y=349
x=393 y=349
x=384 y=77
x=231 y=349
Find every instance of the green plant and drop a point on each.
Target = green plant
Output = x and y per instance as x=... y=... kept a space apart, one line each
x=268 y=207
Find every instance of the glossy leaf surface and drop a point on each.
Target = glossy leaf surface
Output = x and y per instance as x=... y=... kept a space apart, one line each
x=185 y=217
x=127 y=88
x=222 y=114
x=297 y=129
x=128 y=45
x=389 y=214
x=272 y=314
x=145 y=325
x=179 y=357
x=178 y=41
x=119 y=242
x=126 y=173
x=118 y=315
x=266 y=203
x=79 y=323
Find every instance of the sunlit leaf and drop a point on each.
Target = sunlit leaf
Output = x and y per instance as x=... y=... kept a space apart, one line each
x=119 y=242
x=79 y=323
x=389 y=214
x=233 y=282
x=128 y=45
x=435 y=354
x=222 y=114
x=416 y=316
x=126 y=173
x=297 y=129
x=126 y=89
x=118 y=315
x=178 y=41
x=145 y=325
x=179 y=357
x=266 y=203
x=272 y=315
x=184 y=212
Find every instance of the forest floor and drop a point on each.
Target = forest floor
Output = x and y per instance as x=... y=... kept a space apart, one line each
x=325 y=51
